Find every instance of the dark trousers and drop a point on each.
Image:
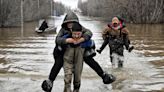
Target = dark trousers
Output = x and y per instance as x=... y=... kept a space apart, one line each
x=58 y=56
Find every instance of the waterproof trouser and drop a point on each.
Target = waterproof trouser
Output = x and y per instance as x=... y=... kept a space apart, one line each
x=117 y=60
x=117 y=57
x=73 y=65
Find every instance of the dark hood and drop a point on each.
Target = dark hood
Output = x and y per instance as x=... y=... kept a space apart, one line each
x=70 y=17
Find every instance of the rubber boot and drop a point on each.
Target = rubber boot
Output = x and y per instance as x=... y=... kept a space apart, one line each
x=67 y=88
x=76 y=90
x=76 y=86
x=120 y=64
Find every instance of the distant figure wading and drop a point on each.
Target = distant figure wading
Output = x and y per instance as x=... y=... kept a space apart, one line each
x=116 y=35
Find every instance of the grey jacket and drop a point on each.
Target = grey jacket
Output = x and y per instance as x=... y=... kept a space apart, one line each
x=71 y=17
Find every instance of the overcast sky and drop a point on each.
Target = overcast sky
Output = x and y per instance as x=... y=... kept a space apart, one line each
x=71 y=3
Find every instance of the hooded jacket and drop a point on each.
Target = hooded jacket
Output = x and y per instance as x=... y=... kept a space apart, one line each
x=71 y=17
x=116 y=38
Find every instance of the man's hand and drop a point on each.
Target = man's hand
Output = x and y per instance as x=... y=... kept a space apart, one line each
x=70 y=40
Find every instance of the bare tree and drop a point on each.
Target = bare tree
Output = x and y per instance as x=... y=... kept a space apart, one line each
x=134 y=11
x=59 y=8
x=10 y=11
x=83 y=6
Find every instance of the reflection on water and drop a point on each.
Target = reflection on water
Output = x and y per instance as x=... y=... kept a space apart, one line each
x=28 y=30
x=28 y=55
x=26 y=51
x=149 y=38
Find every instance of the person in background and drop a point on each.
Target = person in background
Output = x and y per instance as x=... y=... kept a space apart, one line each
x=44 y=25
x=116 y=35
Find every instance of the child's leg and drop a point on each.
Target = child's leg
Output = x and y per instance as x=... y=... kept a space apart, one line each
x=78 y=66
x=94 y=65
x=120 y=61
x=103 y=45
x=114 y=60
x=58 y=57
x=120 y=56
x=58 y=64
x=68 y=68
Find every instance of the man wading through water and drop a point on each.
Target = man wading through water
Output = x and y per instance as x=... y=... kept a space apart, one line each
x=73 y=56
x=117 y=36
x=59 y=51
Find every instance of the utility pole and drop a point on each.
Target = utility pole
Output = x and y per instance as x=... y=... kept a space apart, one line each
x=22 y=18
x=38 y=12
x=1 y=14
x=51 y=7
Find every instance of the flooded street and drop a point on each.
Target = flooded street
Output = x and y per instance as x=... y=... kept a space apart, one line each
x=26 y=59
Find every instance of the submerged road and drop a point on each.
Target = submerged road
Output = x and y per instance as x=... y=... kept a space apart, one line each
x=26 y=59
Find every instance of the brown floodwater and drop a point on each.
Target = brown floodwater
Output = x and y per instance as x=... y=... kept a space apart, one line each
x=26 y=59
